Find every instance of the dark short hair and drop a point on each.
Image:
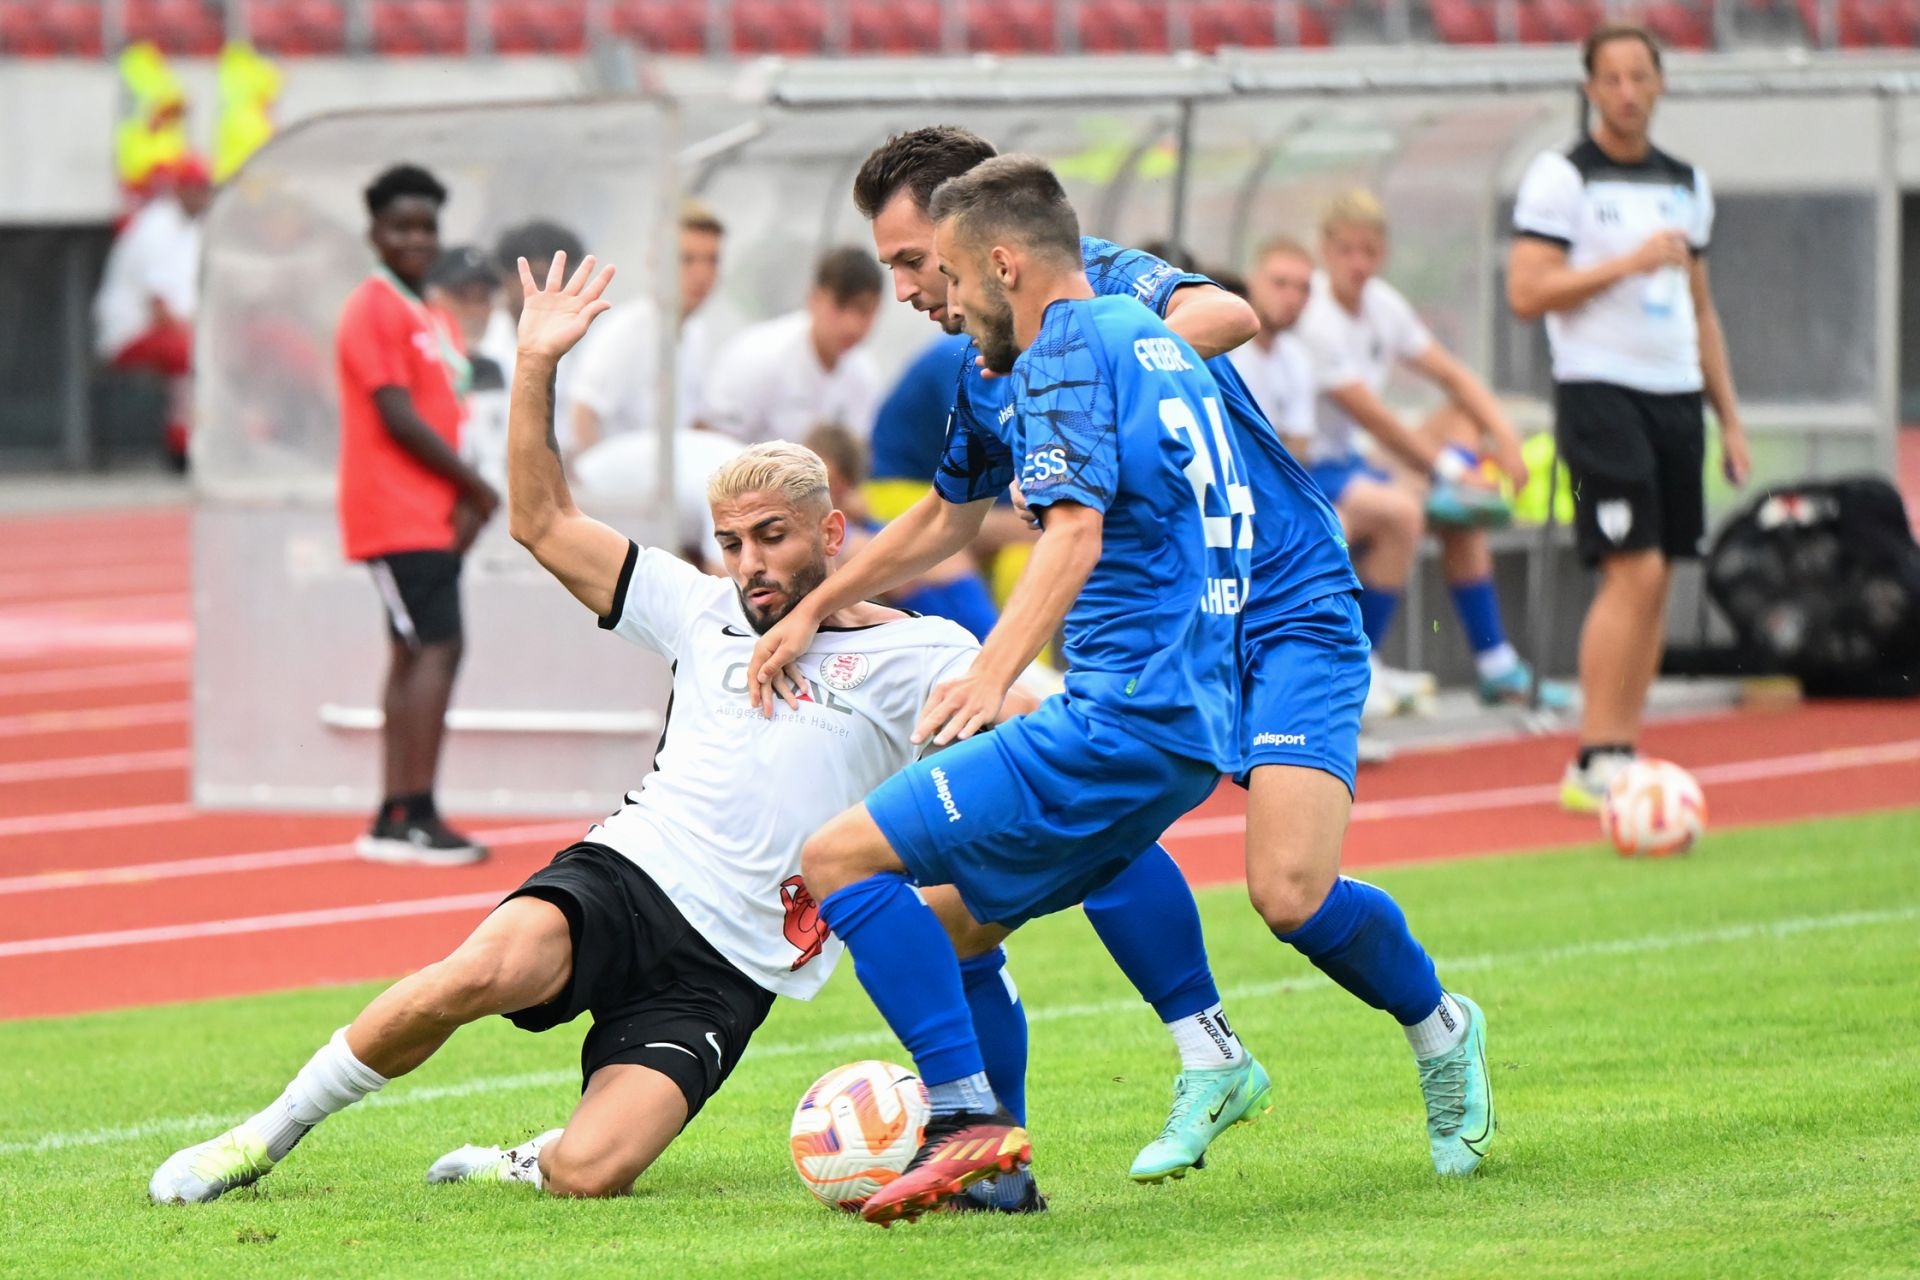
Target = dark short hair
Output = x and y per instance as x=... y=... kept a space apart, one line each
x=1606 y=35
x=1015 y=198
x=840 y=449
x=917 y=161
x=536 y=241
x=463 y=265
x=847 y=274
x=399 y=182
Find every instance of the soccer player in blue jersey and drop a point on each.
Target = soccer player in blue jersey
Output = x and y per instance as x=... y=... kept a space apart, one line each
x=1305 y=668
x=1115 y=437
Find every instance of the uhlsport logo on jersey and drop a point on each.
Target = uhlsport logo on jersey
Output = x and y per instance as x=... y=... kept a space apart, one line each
x=845 y=671
x=943 y=791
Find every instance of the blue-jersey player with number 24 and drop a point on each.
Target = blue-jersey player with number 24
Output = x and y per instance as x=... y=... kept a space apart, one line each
x=1144 y=558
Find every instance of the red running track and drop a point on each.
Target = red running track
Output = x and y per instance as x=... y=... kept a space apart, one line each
x=114 y=891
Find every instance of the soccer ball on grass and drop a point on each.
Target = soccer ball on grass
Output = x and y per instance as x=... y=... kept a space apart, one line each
x=1654 y=807
x=855 y=1130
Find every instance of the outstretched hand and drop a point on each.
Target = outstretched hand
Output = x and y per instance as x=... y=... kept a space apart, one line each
x=556 y=317
x=773 y=675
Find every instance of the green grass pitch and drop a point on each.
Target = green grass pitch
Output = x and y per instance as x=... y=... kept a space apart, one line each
x=1705 y=1066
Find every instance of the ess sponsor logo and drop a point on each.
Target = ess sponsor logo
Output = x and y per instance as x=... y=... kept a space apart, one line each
x=1043 y=465
x=1279 y=739
x=943 y=791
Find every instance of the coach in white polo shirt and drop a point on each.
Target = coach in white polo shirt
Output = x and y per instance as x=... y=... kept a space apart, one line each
x=781 y=378
x=1610 y=245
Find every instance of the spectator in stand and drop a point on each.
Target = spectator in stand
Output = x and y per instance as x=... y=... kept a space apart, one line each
x=537 y=242
x=409 y=506
x=143 y=313
x=1276 y=366
x=464 y=287
x=616 y=382
x=781 y=378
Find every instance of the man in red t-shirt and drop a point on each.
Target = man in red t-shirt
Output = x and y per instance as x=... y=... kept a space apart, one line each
x=409 y=507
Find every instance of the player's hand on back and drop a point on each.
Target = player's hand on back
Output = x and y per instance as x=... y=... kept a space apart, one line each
x=555 y=317
x=773 y=671
x=960 y=708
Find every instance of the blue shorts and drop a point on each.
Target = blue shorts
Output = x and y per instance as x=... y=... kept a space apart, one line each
x=1031 y=818
x=1334 y=476
x=1305 y=681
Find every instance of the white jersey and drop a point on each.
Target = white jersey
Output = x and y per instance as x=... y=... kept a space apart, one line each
x=1639 y=332
x=156 y=258
x=1280 y=377
x=1349 y=347
x=617 y=371
x=768 y=384
x=719 y=823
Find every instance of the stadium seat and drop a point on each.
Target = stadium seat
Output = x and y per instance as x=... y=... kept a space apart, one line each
x=794 y=27
x=1247 y=24
x=893 y=26
x=190 y=28
x=1865 y=24
x=1122 y=26
x=666 y=26
x=1680 y=25
x=51 y=28
x=538 y=26
x=1011 y=26
x=1464 y=22
x=297 y=27
x=419 y=26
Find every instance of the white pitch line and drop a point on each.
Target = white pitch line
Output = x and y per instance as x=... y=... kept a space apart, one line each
x=273 y=859
x=87 y=719
x=1605 y=948
x=95 y=766
x=84 y=820
x=1525 y=797
x=117 y=675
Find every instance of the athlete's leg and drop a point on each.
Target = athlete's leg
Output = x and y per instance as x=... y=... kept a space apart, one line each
x=1385 y=522
x=626 y=1118
x=1620 y=645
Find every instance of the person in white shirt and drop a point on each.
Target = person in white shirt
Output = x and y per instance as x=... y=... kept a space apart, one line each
x=143 y=312
x=781 y=378
x=1276 y=365
x=616 y=374
x=1357 y=328
x=677 y=920
x=539 y=242
x=1610 y=246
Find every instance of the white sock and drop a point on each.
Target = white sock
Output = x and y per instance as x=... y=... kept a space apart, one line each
x=523 y=1161
x=1205 y=1040
x=1440 y=1031
x=968 y=1093
x=332 y=1080
x=1497 y=661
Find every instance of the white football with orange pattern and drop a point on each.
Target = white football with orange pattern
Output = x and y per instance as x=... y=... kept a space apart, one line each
x=1654 y=808
x=855 y=1130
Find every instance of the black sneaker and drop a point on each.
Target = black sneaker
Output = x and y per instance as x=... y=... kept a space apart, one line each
x=422 y=842
x=983 y=1197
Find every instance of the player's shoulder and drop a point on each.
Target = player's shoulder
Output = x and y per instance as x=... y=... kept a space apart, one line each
x=370 y=296
x=1673 y=169
x=1378 y=297
x=1074 y=340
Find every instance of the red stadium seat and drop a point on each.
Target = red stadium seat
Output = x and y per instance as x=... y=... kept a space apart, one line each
x=666 y=26
x=1248 y=24
x=51 y=28
x=538 y=26
x=893 y=26
x=297 y=27
x=191 y=28
x=1012 y=26
x=1122 y=26
x=793 y=27
x=1464 y=22
x=419 y=26
x=1681 y=26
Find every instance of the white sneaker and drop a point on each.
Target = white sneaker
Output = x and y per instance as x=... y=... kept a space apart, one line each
x=492 y=1164
x=199 y=1174
x=1394 y=692
x=1583 y=790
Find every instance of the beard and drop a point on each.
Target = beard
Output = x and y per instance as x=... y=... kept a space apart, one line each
x=991 y=325
x=804 y=581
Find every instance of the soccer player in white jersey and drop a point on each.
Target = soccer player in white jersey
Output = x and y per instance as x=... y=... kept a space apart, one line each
x=1610 y=246
x=677 y=920
x=1358 y=328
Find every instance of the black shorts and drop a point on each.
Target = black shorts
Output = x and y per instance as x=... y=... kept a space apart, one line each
x=660 y=995
x=1637 y=460
x=421 y=593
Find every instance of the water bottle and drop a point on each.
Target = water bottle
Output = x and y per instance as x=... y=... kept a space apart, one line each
x=1662 y=289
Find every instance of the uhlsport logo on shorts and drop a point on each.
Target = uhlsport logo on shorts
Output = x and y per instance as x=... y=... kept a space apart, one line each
x=944 y=792
x=845 y=671
x=1279 y=739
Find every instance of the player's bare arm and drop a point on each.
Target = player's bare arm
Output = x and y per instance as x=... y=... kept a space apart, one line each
x=423 y=443
x=1539 y=278
x=1365 y=407
x=1465 y=388
x=1063 y=558
x=584 y=554
x=1212 y=320
x=1717 y=375
x=927 y=533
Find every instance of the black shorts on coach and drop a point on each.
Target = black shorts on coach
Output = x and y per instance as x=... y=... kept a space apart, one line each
x=1636 y=459
x=420 y=591
x=660 y=995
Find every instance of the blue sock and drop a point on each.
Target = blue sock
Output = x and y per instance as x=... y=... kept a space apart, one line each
x=1000 y=1025
x=1479 y=610
x=903 y=959
x=1377 y=607
x=964 y=600
x=1359 y=938
x=1147 y=918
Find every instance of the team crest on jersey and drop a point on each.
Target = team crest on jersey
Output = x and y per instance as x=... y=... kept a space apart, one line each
x=845 y=671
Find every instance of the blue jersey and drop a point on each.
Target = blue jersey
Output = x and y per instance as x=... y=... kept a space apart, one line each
x=1113 y=411
x=904 y=446
x=1299 y=554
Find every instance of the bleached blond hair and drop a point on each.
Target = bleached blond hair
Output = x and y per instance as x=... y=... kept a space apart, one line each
x=1357 y=207
x=792 y=471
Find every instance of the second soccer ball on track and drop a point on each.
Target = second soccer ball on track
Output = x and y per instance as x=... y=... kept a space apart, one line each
x=1654 y=808
x=855 y=1130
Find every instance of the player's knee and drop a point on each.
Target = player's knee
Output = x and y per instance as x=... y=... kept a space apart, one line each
x=829 y=862
x=1286 y=898
x=590 y=1177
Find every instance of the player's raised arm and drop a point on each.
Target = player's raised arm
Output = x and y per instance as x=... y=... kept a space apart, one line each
x=583 y=553
x=1212 y=320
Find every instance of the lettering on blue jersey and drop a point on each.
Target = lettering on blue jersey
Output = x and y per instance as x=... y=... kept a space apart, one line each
x=943 y=791
x=1225 y=501
x=1160 y=353
x=1149 y=284
x=1006 y=414
x=1043 y=465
